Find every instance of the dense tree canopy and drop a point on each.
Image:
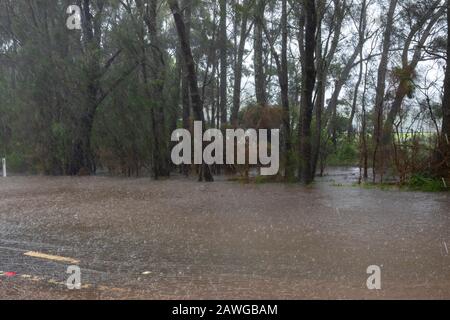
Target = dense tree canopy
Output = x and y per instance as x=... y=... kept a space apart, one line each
x=357 y=82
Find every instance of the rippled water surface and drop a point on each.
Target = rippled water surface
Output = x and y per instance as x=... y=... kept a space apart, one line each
x=183 y=239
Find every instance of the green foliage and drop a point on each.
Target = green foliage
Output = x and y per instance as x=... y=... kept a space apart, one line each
x=67 y=98
x=426 y=183
x=417 y=182
x=16 y=162
x=347 y=154
x=121 y=134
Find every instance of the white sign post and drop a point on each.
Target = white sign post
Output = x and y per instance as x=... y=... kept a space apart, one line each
x=4 y=167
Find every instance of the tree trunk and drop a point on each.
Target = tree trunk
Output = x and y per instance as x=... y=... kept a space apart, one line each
x=238 y=66
x=155 y=89
x=323 y=63
x=350 y=130
x=223 y=39
x=444 y=144
x=332 y=107
x=284 y=85
x=381 y=84
x=197 y=103
x=283 y=80
x=187 y=4
x=260 y=78
x=361 y=31
x=408 y=68
x=82 y=159
x=365 y=151
x=309 y=80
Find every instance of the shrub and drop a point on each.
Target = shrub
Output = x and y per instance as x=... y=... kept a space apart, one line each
x=421 y=182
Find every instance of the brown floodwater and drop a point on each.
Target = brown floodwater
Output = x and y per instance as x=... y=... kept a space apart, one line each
x=181 y=239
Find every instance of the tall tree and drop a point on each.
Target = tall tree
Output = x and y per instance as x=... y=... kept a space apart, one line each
x=345 y=73
x=82 y=157
x=381 y=82
x=284 y=86
x=197 y=103
x=444 y=144
x=406 y=72
x=281 y=61
x=155 y=87
x=186 y=102
x=309 y=81
x=258 y=52
x=324 y=58
x=350 y=129
x=223 y=44
x=243 y=35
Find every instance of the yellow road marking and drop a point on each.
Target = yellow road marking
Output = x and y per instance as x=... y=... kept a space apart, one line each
x=51 y=257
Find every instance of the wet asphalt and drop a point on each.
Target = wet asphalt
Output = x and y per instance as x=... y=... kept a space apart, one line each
x=181 y=239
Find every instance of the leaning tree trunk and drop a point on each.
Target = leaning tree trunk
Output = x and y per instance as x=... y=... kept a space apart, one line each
x=197 y=103
x=350 y=129
x=361 y=31
x=332 y=107
x=408 y=70
x=381 y=85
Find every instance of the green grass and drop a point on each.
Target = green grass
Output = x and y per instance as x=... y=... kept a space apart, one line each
x=415 y=183
x=427 y=184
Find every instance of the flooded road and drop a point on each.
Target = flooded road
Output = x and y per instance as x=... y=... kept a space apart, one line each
x=180 y=239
